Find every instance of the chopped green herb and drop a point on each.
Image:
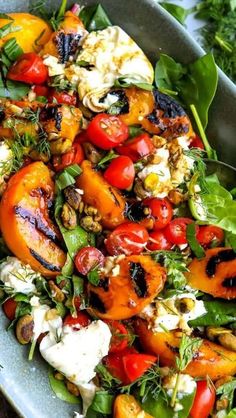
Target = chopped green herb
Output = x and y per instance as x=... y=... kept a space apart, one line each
x=193 y=242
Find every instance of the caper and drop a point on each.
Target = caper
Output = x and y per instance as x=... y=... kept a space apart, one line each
x=24 y=329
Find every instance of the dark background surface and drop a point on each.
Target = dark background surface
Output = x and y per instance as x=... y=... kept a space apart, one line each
x=5 y=410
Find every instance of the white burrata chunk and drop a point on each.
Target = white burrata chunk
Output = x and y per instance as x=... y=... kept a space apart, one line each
x=110 y=54
x=43 y=322
x=164 y=314
x=78 y=352
x=6 y=158
x=54 y=67
x=186 y=384
x=18 y=276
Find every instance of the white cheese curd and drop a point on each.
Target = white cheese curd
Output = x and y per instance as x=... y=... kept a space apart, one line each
x=45 y=319
x=78 y=352
x=186 y=384
x=165 y=315
x=87 y=393
x=6 y=158
x=111 y=265
x=18 y=276
x=54 y=67
x=111 y=54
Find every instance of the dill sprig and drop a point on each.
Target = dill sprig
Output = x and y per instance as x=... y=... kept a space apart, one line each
x=219 y=34
x=175 y=264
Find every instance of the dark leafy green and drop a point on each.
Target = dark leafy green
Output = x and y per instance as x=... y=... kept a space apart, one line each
x=53 y=17
x=102 y=403
x=94 y=18
x=60 y=389
x=193 y=242
x=129 y=81
x=195 y=83
x=179 y=12
x=218 y=313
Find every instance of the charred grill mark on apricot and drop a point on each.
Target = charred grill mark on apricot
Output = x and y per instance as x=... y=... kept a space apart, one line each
x=104 y=284
x=170 y=107
x=223 y=256
x=96 y=302
x=41 y=260
x=122 y=99
x=36 y=221
x=137 y=274
x=52 y=113
x=172 y=348
x=67 y=44
x=116 y=201
x=135 y=211
x=229 y=282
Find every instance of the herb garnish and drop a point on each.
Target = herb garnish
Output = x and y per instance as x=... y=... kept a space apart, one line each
x=175 y=265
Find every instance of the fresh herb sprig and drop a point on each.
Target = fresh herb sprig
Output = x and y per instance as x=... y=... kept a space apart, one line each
x=175 y=265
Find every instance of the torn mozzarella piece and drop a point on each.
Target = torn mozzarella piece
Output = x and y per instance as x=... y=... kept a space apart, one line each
x=45 y=319
x=18 y=276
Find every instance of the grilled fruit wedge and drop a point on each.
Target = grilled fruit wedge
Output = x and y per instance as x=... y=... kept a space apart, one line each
x=24 y=218
x=211 y=360
x=126 y=406
x=100 y=194
x=215 y=273
x=31 y=32
x=122 y=296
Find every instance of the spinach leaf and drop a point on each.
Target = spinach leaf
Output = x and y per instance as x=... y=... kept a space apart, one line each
x=218 y=313
x=94 y=18
x=195 y=83
x=160 y=408
x=60 y=389
x=179 y=12
x=76 y=238
x=102 y=403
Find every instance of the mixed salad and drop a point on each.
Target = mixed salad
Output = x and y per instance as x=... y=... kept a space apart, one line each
x=117 y=248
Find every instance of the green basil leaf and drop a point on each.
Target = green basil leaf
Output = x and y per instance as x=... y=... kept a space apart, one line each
x=76 y=238
x=94 y=18
x=12 y=50
x=60 y=389
x=110 y=156
x=5 y=16
x=78 y=285
x=168 y=72
x=20 y=297
x=218 y=313
x=193 y=242
x=13 y=90
x=7 y=29
x=103 y=402
x=128 y=81
x=67 y=177
x=180 y=13
x=93 y=277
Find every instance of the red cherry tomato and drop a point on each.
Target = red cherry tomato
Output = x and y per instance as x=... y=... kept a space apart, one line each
x=197 y=143
x=158 y=241
x=120 y=172
x=204 y=400
x=209 y=233
x=120 y=336
x=29 y=68
x=9 y=308
x=62 y=97
x=128 y=238
x=115 y=366
x=137 y=148
x=87 y=258
x=175 y=232
x=82 y=137
x=41 y=91
x=106 y=131
x=135 y=365
x=82 y=320
x=161 y=210
x=74 y=156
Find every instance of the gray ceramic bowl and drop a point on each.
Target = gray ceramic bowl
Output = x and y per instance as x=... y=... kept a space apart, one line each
x=26 y=384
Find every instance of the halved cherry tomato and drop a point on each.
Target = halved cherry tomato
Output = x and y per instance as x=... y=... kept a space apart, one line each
x=120 y=336
x=128 y=238
x=209 y=233
x=197 y=142
x=82 y=137
x=137 y=148
x=106 y=131
x=161 y=210
x=204 y=400
x=114 y=363
x=120 y=172
x=88 y=258
x=29 y=69
x=82 y=320
x=74 y=156
x=41 y=91
x=175 y=232
x=62 y=97
x=158 y=241
x=9 y=308
x=135 y=365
